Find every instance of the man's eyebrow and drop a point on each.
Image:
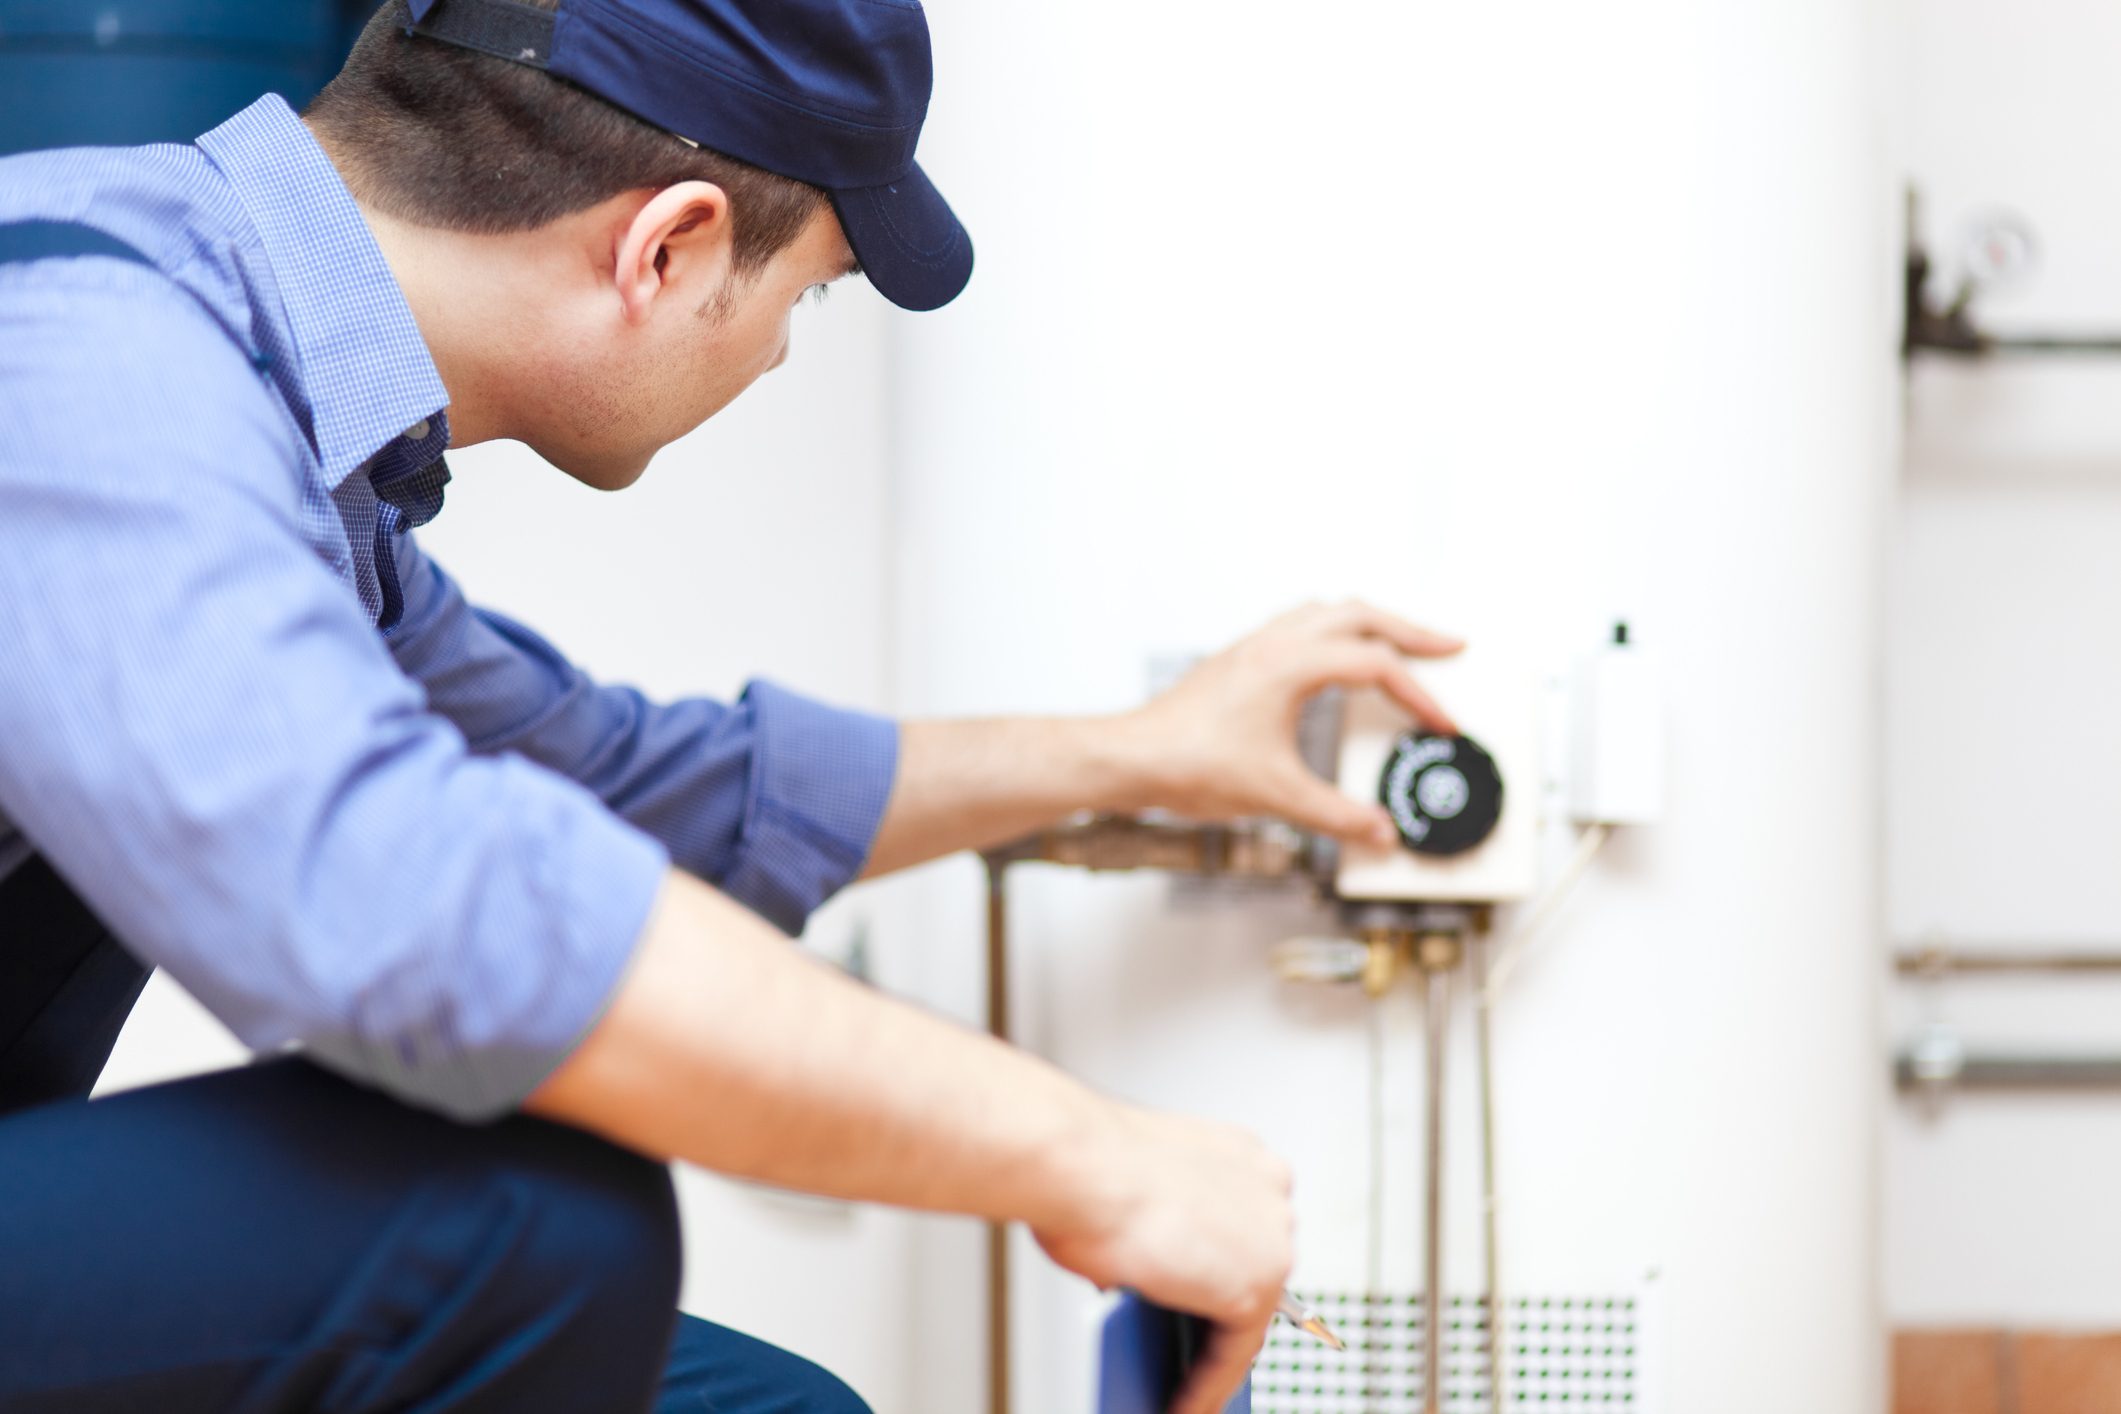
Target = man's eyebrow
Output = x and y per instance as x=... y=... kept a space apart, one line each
x=852 y=267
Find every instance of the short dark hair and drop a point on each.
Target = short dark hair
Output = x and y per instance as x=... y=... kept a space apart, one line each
x=445 y=137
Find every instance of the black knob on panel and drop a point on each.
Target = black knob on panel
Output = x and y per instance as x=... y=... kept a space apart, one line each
x=1444 y=792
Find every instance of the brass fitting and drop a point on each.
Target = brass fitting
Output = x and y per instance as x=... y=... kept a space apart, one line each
x=1438 y=950
x=1386 y=953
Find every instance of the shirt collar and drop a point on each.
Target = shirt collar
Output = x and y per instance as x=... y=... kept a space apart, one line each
x=364 y=366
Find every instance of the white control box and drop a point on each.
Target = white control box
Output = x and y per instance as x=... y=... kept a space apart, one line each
x=1617 y=736
x=1495 y=703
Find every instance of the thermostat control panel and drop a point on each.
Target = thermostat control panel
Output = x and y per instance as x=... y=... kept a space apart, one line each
x=1465 y=806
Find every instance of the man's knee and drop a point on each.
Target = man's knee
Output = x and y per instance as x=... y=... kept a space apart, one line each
x=330 y=1248
x=544 y=1259
x=591 y=1226
x=714 y=1368
x=526 y=1212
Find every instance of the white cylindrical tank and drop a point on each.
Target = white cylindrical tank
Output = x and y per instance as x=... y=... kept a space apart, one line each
x=1516 y=319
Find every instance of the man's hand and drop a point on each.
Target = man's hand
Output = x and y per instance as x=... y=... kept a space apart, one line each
x=1206 y=1229
x=1222 y=743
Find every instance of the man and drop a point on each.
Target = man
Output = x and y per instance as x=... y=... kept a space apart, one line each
x=518 y=929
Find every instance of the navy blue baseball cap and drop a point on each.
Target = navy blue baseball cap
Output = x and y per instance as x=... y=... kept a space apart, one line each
x=829 y=92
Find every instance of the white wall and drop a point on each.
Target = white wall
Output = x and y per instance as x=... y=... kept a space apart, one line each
x=2004 y=780
x=1514 y=318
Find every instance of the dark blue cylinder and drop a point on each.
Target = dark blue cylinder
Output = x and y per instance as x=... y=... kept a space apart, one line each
x=75 y=72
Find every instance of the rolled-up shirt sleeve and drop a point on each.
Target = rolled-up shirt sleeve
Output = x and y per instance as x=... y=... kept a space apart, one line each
x=775 y=799
x=203 y=732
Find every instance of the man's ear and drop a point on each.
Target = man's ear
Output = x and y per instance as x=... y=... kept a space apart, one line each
x=686 y=226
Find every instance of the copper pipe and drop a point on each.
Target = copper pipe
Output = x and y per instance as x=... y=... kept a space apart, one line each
x=1437 y=954
x=998 y=1232
x=1251 y=849
x=1483 y=1016
x=1939 y=962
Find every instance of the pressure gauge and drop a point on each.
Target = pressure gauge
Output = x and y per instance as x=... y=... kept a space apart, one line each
x=2001 y=248
x=1444 y=792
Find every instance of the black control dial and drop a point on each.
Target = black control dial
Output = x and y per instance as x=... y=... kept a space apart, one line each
x=1444 y=792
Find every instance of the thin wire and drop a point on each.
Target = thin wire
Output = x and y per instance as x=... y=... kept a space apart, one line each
x=1543 y=911
x=1495 y=970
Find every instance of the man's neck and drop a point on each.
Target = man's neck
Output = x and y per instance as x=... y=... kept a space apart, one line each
x=446 y=286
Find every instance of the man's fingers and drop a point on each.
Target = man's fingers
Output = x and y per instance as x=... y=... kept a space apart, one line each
x=1363 y=620
x=1302 y=616
x=1316 y=805
x=1359 y=664
x=1402 y=688
x=1221 y=1369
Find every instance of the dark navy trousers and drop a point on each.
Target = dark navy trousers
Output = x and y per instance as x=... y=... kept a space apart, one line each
x=276 y=1240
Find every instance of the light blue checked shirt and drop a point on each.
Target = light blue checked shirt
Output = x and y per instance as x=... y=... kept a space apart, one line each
x=261 y=734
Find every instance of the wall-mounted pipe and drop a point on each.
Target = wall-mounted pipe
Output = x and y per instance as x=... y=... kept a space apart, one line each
x=1490 y=1220
x=1920 y=1074
x=998 y=1232
x=1937 y=1062
x=1930 y=327
x=1246 y=849
x=1437 y=953
x=1932 y=962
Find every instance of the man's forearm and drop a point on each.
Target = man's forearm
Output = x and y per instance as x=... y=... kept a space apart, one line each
x=1221 y=743
x=971 y=784
x=727 y=1047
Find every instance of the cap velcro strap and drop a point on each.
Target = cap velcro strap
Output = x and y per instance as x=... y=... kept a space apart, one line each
x=506 y=29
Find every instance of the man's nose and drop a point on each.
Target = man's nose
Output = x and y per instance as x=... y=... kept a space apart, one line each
x=781 y=357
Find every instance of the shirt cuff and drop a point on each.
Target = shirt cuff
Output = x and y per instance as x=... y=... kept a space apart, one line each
x=820 y=779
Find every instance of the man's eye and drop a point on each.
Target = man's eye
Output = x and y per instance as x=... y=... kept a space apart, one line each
x=817 y=294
